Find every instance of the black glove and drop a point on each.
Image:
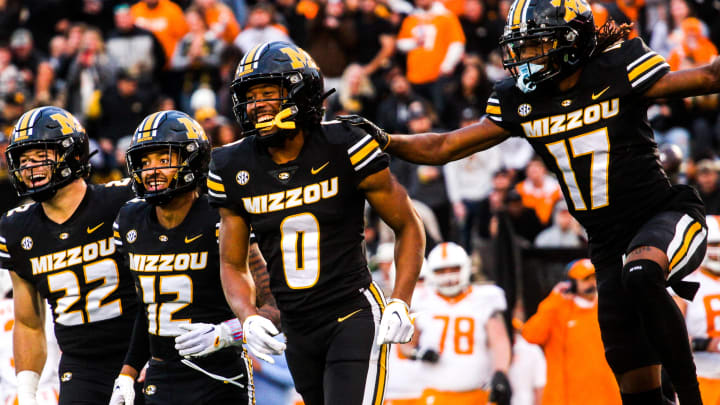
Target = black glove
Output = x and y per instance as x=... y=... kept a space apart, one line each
x=700 y=344
x=500 y=391
x=430 y=355
x=380 y=136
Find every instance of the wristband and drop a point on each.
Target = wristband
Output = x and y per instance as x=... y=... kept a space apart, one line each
x=236 y=329
x=407 y=307
x=27 y=382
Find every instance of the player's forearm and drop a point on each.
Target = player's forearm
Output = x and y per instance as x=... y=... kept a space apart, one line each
x=138 y=351
x=409 y=251
x=29 y=348
x=129 y=371
x=713 y=70
x=239 y=290
x=419 y=148
x=499 y=343
x=267 y=306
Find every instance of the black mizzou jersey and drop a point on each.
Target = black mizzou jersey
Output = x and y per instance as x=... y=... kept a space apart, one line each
x=596 y=138
x=307 y=214
x=176 y=271
x=76 y=267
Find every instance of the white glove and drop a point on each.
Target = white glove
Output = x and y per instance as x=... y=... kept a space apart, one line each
x=202 y=339
x=123 y=391
x=27 y=383
x=395 y=324
x=259 y=332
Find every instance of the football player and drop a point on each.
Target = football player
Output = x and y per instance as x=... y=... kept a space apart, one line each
x=301 y=186
x=463 y=326
x=702 y=316
x=169 y=234
x=579 y=95
x=60 y=248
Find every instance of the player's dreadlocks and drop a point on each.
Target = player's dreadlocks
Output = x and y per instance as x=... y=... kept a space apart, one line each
x=611 y=32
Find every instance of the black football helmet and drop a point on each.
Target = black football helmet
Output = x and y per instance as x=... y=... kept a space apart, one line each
x=547 y=39
x=49 y=128
x=175 y=132
x=295 y=71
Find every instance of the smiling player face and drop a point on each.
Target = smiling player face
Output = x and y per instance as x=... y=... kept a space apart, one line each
x=264 y=103
x=36 y=166
x=159 y=169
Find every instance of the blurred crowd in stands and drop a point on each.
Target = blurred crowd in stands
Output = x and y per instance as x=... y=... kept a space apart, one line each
x=410 y=67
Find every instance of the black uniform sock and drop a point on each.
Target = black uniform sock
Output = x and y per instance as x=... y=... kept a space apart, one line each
x=665 y=326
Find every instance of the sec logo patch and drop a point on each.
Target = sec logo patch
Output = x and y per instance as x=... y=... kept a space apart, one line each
x=242 y=177
x=27 y=243
x=131 y=236
x=524 y=109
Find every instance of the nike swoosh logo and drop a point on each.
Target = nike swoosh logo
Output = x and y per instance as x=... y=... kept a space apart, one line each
x=91 y=230
x=316 y=171
x=594 y=96
x=192 y=239
x=348 y=316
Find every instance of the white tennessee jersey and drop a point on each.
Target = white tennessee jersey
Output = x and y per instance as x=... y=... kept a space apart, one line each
x=703 y=321
x=48 y=387
x=455 y=328
x=404 y=380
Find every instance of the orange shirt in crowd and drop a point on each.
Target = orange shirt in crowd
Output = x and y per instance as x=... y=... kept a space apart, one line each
x=434 y=31
x=456 y=7
x=541 y=199
x=308 y=8
x=222 y=14
x=577 y=372
x=696 y=47
x=166 y=21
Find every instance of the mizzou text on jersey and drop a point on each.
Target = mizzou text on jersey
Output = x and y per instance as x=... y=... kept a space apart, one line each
x=76 y=267
x=306 y=215
x=307 y=218
x=595 y=137
x=177 y=276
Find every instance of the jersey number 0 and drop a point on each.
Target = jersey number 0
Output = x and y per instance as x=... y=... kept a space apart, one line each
x=300 y=246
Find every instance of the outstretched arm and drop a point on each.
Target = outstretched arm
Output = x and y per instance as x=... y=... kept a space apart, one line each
x=434 y=148
x=688 y=82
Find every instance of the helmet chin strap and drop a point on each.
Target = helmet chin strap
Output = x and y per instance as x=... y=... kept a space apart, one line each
x=278 y=120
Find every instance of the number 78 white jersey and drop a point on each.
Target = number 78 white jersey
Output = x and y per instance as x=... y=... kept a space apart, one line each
x=455 y=328
x=703 y=320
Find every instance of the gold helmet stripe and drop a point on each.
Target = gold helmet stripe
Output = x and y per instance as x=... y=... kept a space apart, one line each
x=25 y=124
x=517 y=15
x=247 y=60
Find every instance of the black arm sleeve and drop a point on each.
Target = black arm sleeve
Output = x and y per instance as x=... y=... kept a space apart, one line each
x=139 y=350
